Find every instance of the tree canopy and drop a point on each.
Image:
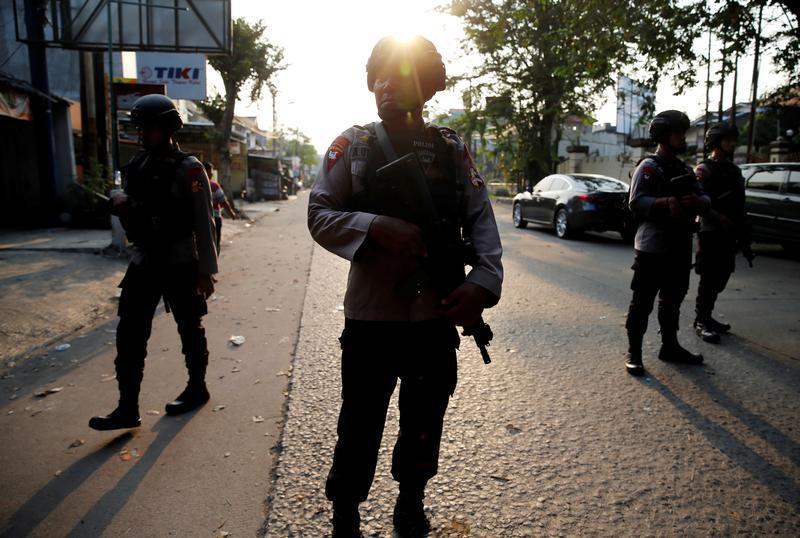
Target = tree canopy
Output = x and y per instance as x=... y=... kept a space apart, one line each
x=252 y=65
x=544 y=60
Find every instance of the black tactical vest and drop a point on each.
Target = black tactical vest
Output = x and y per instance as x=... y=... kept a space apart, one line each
x=725 y=187
x=446 y=253
x=161 y=212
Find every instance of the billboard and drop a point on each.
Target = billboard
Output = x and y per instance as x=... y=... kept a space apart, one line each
x=127 y=93
x=183 y=75
x=166 y=25
x=631 y=98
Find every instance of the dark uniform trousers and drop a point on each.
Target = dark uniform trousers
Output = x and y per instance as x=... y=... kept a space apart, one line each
x=142 y=288
x=374 y=355
x=715 y=262
x=665 y=275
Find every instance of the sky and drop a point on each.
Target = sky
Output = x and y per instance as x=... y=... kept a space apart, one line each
x=324 y=89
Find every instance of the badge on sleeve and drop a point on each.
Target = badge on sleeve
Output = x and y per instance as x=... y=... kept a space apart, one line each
x=472 y=172
x=195 y=174
x=337 y=149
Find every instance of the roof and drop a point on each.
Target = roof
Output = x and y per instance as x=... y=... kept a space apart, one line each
x=26 y=87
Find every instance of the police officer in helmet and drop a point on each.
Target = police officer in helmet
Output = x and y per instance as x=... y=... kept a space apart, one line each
x=391 y=333
x=665 y=198
x=724 y=229
x=165 y=208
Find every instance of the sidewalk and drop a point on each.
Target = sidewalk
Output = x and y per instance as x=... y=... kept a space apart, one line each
x=55 y=285
x=202 y=474
x=93 y=241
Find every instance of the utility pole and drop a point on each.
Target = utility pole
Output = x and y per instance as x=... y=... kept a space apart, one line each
x=708 y=89
x=754 y=97
x=721 y=88
x=35 y=19
x=732 y=119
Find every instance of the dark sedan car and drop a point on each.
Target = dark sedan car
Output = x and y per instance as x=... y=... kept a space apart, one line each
x=574 y=203
x=773 y=202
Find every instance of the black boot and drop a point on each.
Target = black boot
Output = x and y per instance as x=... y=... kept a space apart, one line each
x=718 y=327
x=674 y=352
x=346 y=521
x=409 y=518
x=192 y=397
x=705 y=331
x=125 y=416
x=633 y=364
x=633 y=361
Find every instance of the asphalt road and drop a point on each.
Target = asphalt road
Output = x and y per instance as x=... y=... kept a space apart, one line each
x=554 y=438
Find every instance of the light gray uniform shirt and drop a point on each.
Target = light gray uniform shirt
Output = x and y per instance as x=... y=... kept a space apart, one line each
x=650 y=182
x=375 y=273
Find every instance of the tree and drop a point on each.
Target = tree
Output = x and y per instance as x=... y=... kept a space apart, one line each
x=736 y=23
x=552 y=58
x=253 y=63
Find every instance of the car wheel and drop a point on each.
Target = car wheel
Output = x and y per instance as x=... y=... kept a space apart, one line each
x=519 y=222
x=561 y=221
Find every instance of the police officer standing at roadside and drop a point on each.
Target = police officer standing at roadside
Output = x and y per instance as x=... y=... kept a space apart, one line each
x=665 y=198
x=390 y=333
x=724 y=229
x=165 y=209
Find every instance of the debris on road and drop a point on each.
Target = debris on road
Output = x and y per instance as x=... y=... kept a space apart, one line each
x=48 y=392
x=236 y=340
x=272 y=309
x=513 y=430
x=76 y=443
x=125 y=455
x=258 y=419
x=218 y=408
x=153 y=412
x=63 y=347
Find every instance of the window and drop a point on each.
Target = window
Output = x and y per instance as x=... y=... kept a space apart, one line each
x=558 y=185
x=767 y=180
x=794 y=182
x=544 y=185
x=594 y=184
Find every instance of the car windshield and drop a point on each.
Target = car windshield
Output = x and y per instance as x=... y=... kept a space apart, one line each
x=596 y=183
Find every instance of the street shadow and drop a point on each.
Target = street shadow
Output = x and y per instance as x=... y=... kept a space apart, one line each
x=100 y=516
x=50 y=270
x=47 y=499
x=759 y=468
x=769 y=433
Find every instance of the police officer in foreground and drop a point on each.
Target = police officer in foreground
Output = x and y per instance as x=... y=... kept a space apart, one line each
x=724 y=229
x=165 y=209
x=665 y=198
x=389 y=332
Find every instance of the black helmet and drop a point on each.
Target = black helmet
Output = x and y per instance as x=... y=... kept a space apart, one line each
x=718 y=132
x=666 y=122
x=158 y=110
x=420 y=53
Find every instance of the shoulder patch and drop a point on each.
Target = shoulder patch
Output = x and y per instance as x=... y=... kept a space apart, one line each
x=196 y=174
x=336 y=150
x=472 y=172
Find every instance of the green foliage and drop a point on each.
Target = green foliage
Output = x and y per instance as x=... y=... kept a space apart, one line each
x=254 y=60
x=736 y=23
x=81 y=205
x=214 y=110
x=546 y=59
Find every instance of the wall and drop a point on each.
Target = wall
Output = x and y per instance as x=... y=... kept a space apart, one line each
x=579 y=163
